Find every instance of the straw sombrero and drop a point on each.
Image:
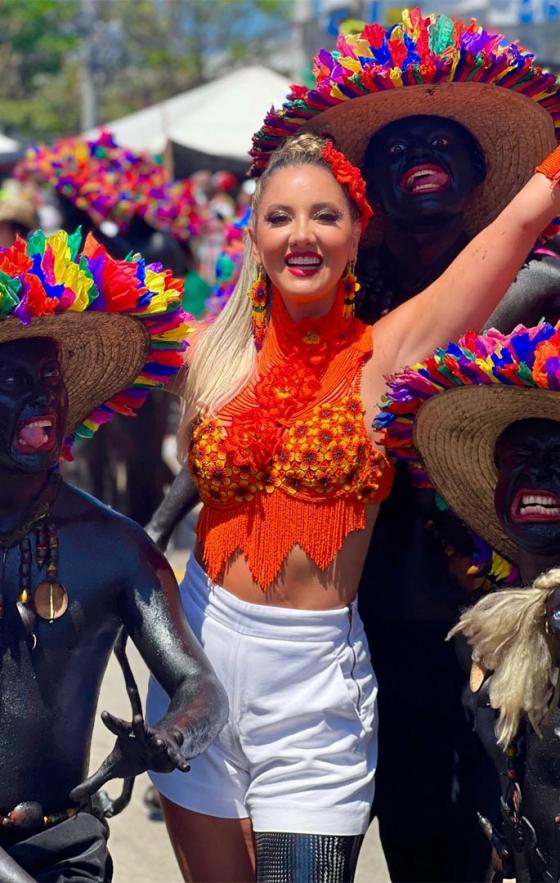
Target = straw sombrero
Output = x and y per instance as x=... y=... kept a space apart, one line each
x=17 y=210
x=118 y=324
x=428 y=66
x=443 y=416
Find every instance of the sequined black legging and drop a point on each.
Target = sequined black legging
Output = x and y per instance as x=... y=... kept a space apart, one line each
x=306 y=858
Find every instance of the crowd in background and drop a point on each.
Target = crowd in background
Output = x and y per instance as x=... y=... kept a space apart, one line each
x=130 y=463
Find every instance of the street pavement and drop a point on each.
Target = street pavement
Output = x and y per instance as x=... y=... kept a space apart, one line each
x=139 y=845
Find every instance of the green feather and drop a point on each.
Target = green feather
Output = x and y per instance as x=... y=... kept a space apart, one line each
x=441 y=34
x=74 y=242
x=36 y=243
x=9 y=293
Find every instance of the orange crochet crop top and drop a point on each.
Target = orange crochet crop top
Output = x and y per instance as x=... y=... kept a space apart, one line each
x=288 y=461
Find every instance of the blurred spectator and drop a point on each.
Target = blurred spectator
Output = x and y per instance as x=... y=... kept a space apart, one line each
x=222 y=202
x=18 y=217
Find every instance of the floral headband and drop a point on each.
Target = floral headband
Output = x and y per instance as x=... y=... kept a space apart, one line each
x=350 y=177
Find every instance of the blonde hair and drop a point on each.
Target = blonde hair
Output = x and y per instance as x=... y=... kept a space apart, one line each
x=224 y=358
x=508 y=633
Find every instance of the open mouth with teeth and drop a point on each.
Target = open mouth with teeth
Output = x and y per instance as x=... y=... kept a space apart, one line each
x=303 y=263
x=535 y=505
x=35 y=435
x=424 y=179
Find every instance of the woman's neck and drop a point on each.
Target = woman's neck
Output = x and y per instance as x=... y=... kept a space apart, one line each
x=329 y=328
x=317 y=309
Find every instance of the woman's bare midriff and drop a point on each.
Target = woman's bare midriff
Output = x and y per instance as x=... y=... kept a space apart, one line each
x=301 y=584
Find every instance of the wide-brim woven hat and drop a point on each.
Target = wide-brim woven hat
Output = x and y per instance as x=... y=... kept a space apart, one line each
x=118 y=325
x=16 y=210
x=456 y=435
x=443 y=416
x=432 y=65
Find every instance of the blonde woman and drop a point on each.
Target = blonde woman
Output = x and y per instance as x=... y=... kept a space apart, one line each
x=279 y=398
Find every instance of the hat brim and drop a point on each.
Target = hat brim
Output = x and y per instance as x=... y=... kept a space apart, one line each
x=100 y=353
x=514 y=132
x=456 y=433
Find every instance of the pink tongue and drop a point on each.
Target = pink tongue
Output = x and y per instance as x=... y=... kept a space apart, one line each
x=33 y=436
x=438 y=179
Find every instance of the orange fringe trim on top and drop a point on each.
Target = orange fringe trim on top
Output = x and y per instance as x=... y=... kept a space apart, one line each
x=319 y=528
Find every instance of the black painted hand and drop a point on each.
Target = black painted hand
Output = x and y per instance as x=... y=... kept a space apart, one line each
x=138 y=748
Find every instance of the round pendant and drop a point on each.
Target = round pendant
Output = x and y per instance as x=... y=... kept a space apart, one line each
x=50 y=600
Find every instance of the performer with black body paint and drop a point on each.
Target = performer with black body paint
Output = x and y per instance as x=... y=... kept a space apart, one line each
x=433 y=137
x=73 y=572
x=486 y=417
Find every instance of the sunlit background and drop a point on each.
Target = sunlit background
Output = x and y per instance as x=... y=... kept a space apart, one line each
x=68 y=65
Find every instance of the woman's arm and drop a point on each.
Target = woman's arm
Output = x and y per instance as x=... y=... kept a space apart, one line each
x=465 y=295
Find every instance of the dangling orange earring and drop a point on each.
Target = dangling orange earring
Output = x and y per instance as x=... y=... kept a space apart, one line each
x=258 y=293
x=350 y=287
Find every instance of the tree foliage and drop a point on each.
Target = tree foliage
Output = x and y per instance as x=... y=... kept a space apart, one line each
x=135 y=53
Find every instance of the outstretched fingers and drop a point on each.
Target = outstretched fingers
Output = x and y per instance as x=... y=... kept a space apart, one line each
x=116 y=725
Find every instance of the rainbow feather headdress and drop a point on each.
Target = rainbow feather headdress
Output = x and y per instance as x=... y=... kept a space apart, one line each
x=170 y=206
x=428 y=65
x=443 y=416
x=118 y=324
x=113 y=183
x=96 y=175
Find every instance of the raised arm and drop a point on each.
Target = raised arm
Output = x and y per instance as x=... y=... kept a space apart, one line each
x=465 y=295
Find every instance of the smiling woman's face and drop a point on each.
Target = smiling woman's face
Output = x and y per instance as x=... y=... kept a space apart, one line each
x=421 y=169
x=304 y=236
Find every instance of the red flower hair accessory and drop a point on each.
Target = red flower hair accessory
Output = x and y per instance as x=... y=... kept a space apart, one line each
x=349 y=176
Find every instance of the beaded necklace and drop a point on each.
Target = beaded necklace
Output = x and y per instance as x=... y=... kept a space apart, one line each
x=49 y=600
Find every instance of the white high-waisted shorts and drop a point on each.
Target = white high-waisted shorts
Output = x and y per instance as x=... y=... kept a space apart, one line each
x=299 y=751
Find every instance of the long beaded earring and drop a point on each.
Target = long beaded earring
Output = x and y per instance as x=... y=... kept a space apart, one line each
x=350 y=287
x=258 y=293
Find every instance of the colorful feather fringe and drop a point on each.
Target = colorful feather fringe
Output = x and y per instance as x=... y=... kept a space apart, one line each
x=417 y=50
x=113 y=183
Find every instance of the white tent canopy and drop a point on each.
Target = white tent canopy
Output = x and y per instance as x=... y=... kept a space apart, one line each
x=8 y=145
x=217 y=119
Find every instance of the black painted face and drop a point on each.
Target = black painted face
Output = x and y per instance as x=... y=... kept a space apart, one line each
x=422 y=169
x=527 y=496
x=33 y=405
